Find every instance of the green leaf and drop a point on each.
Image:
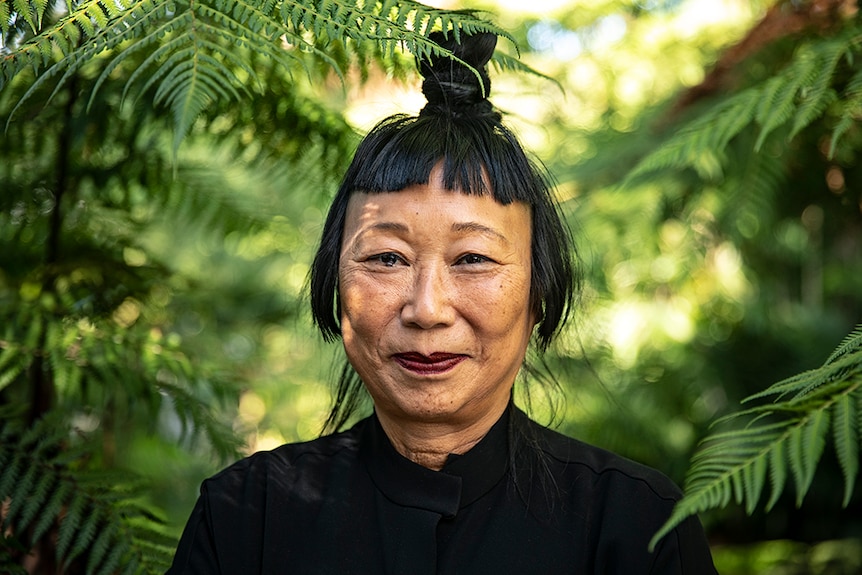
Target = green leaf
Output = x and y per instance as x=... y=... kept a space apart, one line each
x=52 y=510
x=776 y=105
x=846 y=435
x=796 y=437
x=754 y=478
x=777 y=473
x=69 y=524
x=26 y=10
x=805 y=445
x=5 y=18
x=99 y=551
x=35 y=500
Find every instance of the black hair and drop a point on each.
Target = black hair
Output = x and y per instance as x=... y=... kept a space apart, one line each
x=460 y=128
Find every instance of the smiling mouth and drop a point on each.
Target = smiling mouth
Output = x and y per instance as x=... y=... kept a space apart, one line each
x=428 y=364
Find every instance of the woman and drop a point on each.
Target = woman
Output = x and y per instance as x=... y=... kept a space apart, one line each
x=442 y=257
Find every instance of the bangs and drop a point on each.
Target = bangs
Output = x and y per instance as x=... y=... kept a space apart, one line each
x=476 y=158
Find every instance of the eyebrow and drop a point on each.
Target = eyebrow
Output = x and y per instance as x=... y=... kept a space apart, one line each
x=459 y=227
x=480 y=228
x=389 y=227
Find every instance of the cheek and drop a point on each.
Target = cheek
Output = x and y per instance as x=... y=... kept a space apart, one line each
x=502 y=309
x=354 y=316
x=366 y=305
x=357 y=328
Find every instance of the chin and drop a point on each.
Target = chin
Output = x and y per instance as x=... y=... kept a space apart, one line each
x=440 y=410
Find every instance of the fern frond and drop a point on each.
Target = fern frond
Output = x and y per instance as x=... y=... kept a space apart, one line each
x=752 y=188
x=787 y=435
x=506 y=63
x=777 y=103
x=52 y=509
x=816 y=93
x=803 y=90
x=798 y=95
x=851 y=344
x=30 y=11
x=16 y=351
x=777 y=473
x=805 y=446
x=846 y=437
x=844 y=362
x=96 y=515
x=5 y=18
x=75 y=512
x=195 y=54
x=198 y=421
x=702 y=138
x=99 y=550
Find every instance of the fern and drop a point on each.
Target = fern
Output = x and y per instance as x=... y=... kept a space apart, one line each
x=198 y=53
x=794 y=98
x=50 y=489
x=89 y=357
x=788 y=434
x=702 y=139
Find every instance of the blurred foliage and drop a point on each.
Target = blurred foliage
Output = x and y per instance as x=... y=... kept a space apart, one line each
x=141 y=291
x=784 y=557
x=711 y=280
x=152 y=295
x=151 y=316
x=197 y=54
x=105 y=526
x=731 y=257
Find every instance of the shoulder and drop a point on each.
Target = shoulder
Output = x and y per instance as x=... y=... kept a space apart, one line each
x=288 y=462
x=614 y=503
x=590 y=466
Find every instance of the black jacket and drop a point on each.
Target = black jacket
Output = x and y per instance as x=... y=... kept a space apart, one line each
x=525 y=499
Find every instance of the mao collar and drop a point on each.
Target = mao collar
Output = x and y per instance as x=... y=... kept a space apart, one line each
x=464 y=478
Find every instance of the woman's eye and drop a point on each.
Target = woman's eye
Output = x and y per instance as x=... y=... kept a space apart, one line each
x=472 y=259
x=388 y=259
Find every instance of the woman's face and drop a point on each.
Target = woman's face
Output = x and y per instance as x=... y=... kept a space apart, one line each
x=435 y=301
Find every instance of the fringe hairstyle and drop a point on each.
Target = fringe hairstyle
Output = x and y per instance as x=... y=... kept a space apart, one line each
x=460 y=128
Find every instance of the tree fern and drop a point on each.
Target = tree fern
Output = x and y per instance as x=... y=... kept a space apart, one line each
x=198 y=52
x=795 y=97
x=50 y=491
x=786 y=436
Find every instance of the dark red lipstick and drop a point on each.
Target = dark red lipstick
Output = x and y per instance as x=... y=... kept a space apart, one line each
x=421 y=364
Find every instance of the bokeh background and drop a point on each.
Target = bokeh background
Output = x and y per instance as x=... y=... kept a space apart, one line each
x=153 y=285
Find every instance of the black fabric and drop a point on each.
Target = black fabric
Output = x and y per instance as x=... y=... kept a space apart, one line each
x=525 y=499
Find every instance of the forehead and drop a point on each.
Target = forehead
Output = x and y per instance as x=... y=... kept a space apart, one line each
x=431 y=209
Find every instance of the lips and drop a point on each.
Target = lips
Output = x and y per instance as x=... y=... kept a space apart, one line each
x=421 y=364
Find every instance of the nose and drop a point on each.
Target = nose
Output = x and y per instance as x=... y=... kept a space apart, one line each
x=429 y=302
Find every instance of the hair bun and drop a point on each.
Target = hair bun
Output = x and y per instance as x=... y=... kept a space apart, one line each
x=451 y=86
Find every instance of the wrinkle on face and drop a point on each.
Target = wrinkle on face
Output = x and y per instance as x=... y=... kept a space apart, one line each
x=432 y=271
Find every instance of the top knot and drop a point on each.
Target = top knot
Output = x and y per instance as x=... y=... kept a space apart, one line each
x=452 y=87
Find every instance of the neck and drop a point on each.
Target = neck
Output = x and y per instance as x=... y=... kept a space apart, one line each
x=430 y=443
